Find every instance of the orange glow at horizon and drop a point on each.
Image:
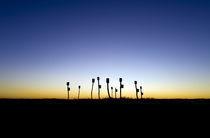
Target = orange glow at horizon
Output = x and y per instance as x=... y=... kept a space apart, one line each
x=41 y=92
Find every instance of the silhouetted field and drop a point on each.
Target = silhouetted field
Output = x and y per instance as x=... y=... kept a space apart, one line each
x=106 y=101
x=88 y=110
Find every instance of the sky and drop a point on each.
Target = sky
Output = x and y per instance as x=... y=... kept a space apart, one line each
x=162 y=44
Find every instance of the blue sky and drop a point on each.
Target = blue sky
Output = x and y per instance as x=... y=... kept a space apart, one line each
x=163 y=44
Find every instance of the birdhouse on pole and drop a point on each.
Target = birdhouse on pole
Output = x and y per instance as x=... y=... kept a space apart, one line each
x=107 y=81
x=115 y=93
x=121 y=86
x=99 y=87
x=79 y=91
x=141 y=92
x=112 y=91
x=93 y=81
x=137 y=90
x=68 y=89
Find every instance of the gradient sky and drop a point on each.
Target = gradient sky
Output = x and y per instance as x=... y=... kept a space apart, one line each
x=163 y=44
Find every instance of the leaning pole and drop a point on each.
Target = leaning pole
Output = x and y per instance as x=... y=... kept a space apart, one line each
x=93 y=81
x=107 y=81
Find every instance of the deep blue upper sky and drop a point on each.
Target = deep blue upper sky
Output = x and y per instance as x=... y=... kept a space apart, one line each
x=148 y=39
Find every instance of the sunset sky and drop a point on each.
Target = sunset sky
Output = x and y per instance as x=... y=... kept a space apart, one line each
x=162 y=44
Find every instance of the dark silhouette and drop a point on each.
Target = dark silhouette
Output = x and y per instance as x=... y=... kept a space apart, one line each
x=145 y=101
x=79 y=91
x=68 y=89
x=112 y=91
x=99 y=87
x=141 y=92
x=121 y=86
x=115 y=93
x=93 y=81
x=137 y=90
x=107 y=81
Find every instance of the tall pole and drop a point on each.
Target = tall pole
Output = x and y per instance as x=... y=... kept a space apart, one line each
x=99 y=87
x=121 y=86
x=68 y=89
x=107 y=81
x=137 y=90
x=79 y=91
x=93 y=81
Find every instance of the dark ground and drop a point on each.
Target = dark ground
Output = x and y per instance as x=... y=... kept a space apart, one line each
x=106 y=101
x=108 y=111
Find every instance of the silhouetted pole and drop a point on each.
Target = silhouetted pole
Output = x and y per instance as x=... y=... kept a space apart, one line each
x=112 y=91
x=137 y=90
x=115 y=93
x=79 y=91
x=107 y=81
x=141 y=92
x=99 y=87
x=121 y=86
x=93 y=81
x=68 y=89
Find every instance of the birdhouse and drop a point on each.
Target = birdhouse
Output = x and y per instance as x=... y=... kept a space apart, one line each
x=122 y=86
x=135 y=82
x=99 y=86
x=98 y=78
x=67 y=83
x=93 y=80
x=120 y=79
x=107 y=80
